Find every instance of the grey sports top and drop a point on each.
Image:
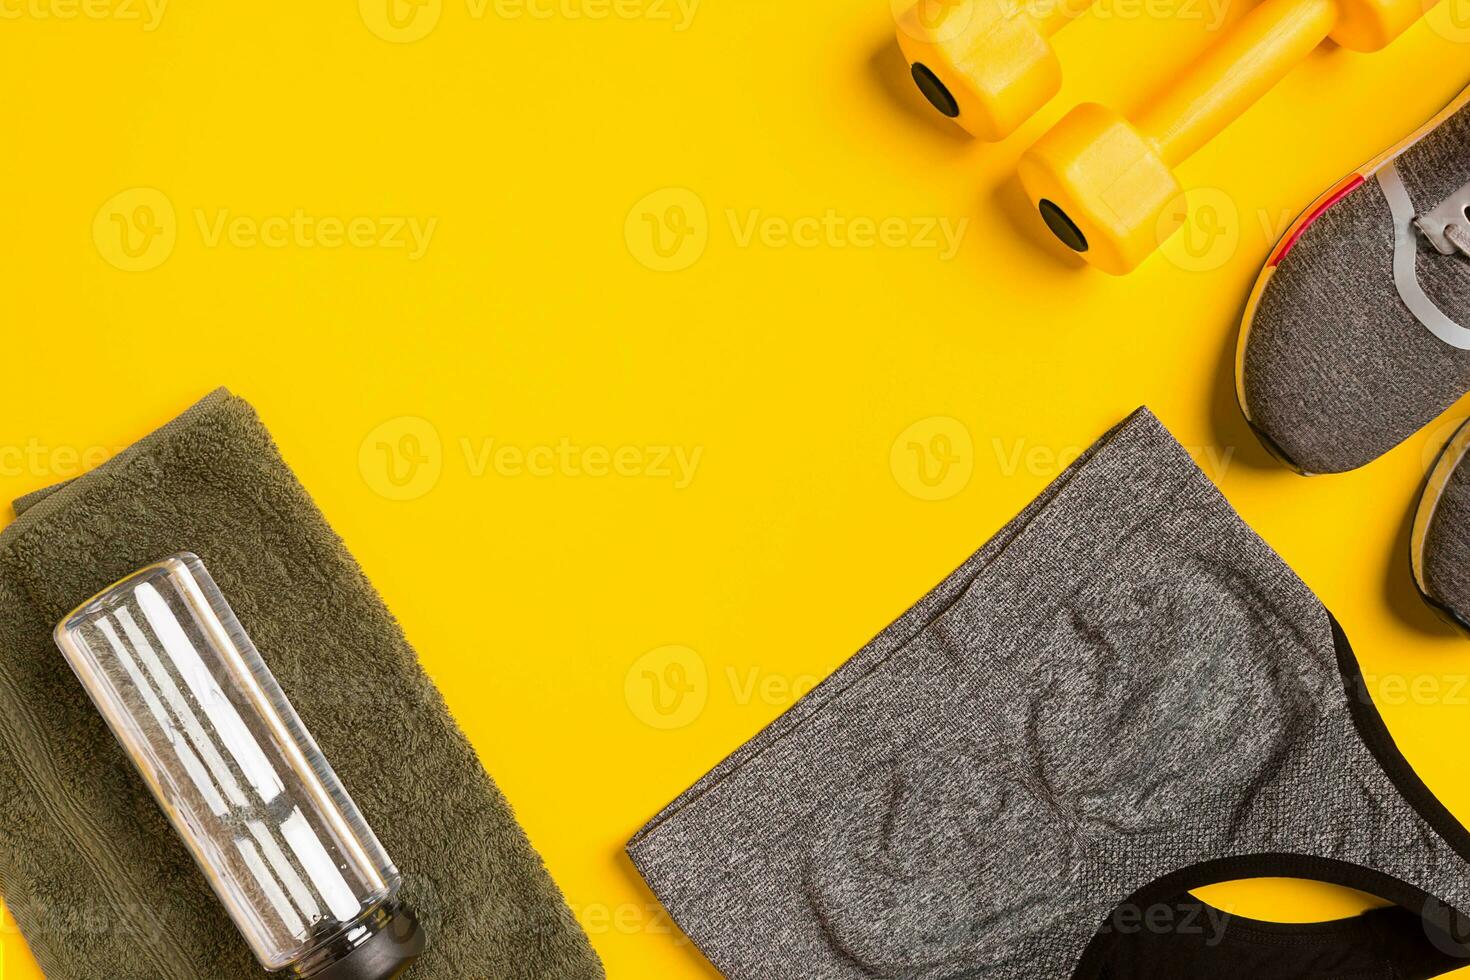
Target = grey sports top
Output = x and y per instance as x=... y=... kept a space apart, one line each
x=1123 y=695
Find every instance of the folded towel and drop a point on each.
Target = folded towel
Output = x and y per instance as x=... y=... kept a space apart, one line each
x=89 y=867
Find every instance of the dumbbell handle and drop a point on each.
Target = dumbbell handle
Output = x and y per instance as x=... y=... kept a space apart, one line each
x=1254 y=55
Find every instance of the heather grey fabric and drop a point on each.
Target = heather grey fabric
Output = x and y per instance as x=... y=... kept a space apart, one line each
x=1125 y=689
x=1445 y=560
x=1337 y=369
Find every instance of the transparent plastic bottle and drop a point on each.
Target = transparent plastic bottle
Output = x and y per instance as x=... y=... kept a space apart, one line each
x=186 y=693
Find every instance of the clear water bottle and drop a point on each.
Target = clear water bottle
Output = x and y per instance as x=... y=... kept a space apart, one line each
x=184 y=690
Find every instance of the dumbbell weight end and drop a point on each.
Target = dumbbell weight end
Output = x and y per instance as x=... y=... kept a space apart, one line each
x=986 y=64
x=1105 y=185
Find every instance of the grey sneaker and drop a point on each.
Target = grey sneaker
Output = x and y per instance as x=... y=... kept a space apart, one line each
x=1357 y=332
x=1439 y=546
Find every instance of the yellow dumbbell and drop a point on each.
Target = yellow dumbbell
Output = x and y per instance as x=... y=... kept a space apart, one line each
x=1105 y=185
x=987 y=64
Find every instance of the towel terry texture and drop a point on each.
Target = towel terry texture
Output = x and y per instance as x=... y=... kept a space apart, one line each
x=89 y=867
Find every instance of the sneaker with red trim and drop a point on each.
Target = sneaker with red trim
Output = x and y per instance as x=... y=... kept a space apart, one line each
x=1357 y=333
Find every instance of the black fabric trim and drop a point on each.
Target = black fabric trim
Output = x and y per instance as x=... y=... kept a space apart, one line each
x=1375 y=735
x=1388 y=943
x=1440 y=920
x=1276 y=865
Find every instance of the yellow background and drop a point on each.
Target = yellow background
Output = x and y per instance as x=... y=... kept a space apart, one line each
x=534 y=317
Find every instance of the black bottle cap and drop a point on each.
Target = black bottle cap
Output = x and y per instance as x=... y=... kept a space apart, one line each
x=385 y=955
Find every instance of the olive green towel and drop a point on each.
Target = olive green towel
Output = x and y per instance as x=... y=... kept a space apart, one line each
x=89 y=867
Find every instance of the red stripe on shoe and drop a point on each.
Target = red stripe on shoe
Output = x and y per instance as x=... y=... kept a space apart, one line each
x=1348 y=186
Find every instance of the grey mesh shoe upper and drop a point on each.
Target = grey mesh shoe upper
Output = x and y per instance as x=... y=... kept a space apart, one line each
x=1337 y=368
